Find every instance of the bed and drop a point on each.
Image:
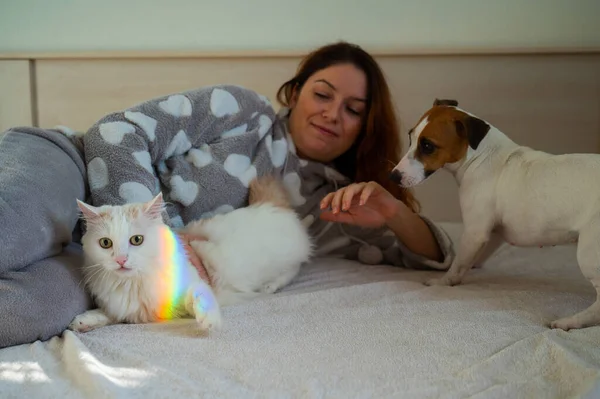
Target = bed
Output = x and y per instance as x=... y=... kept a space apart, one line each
x=345 y=330
x=341 y=329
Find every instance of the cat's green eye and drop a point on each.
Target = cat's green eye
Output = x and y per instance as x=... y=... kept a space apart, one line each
x=105 y=243
x=136 y=240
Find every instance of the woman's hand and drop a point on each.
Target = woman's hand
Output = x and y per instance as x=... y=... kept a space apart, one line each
x=370 y=205
x=364 y=204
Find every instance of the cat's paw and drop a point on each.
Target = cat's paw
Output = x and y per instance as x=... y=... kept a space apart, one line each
x=89 y=321
x=208 y=319
x=207 y=312
x=269 y=288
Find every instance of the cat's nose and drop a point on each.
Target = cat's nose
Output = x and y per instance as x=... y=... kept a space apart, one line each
x=121 y=260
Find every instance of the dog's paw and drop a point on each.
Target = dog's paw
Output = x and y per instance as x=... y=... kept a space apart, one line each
x=89 y=321
x=566 y=324
x=443 y=281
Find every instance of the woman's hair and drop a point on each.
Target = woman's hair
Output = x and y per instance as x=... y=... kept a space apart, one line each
x=377 y=148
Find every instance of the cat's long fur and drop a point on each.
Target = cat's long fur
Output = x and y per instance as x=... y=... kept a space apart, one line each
x=248 y=252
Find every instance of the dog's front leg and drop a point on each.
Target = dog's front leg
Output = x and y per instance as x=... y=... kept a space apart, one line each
x=472 y=244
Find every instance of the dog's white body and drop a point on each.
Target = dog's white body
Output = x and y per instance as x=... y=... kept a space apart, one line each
x=530 y=197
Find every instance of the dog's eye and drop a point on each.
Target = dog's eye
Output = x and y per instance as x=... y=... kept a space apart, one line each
x=426 y=147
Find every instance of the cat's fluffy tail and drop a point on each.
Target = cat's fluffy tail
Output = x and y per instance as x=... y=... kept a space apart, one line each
x=269 y=189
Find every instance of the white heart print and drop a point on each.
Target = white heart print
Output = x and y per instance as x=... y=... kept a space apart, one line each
x=223 y=103
x=177 y=105
x=200 y=157
x=143 y=158
x=293 y=183
x=277 y=150
x=183 y=191
x=113 y=132
x=145 y=122
x=177 y=222
x=264 y=124
x=236 y=131
x=97 y=173
x=179 y=145
x=238 y=165
x=291 y=145
x=135 y=192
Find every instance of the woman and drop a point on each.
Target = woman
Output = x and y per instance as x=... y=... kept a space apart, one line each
x=333 y=143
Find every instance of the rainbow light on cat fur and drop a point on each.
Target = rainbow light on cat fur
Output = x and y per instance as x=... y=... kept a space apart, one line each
x=174 y=281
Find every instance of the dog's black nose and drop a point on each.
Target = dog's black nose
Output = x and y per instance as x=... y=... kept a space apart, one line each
x=396 y=176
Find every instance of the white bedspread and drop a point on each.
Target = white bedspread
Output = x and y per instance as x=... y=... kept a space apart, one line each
x=345 y=330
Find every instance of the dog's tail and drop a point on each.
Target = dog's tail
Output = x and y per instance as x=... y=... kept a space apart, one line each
x=269 y=189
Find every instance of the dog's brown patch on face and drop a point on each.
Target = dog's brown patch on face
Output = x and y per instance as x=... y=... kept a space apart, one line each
x=445 y=137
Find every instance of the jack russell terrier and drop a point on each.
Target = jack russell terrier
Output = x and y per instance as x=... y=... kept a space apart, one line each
x=530 y=197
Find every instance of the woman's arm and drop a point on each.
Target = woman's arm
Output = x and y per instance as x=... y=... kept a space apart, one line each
x=419 y=242
x=416 y=235
x=196 y=147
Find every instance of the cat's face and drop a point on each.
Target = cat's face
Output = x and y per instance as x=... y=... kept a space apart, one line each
x=123 y=239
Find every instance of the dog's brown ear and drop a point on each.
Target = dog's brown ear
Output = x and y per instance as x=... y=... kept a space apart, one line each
x=474 y=128
x=452 y=103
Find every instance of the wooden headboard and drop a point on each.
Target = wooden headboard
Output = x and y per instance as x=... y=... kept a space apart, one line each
x=545 y=99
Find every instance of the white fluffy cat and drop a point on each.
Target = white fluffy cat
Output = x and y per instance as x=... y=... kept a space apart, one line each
x=138 y=270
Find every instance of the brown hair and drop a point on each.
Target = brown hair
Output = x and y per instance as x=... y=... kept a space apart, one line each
x=377 y=148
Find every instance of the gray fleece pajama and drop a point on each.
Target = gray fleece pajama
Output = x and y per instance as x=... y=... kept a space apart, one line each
x=200 y=148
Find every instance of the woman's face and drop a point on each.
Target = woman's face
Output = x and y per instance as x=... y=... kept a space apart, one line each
x=327 y=113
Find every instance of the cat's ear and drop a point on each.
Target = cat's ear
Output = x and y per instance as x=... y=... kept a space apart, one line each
x=154 y=208
x=88 y=211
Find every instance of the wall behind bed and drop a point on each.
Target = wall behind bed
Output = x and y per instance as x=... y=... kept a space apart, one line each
x=532 y=69
x=67 y=25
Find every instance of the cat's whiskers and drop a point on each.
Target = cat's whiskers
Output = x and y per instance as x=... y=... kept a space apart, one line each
x=89 y=275
x=92 y=266
x=104 y=276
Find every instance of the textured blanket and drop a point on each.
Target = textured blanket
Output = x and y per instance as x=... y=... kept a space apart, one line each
x=202 y=147
x=346 y=330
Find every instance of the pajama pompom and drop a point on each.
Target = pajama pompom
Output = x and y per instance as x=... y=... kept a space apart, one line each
x=370 y=254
